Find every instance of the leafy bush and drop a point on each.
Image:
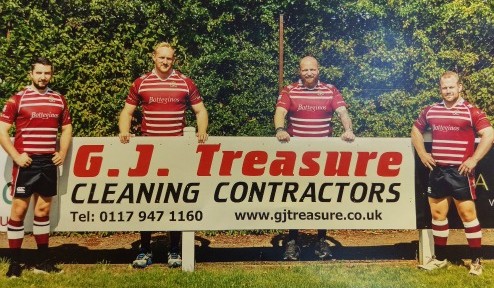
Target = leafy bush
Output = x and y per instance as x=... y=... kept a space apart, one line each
x=386 y=56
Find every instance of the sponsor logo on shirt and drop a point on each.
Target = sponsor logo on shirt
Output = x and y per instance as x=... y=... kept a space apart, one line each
x=161 y=100
x=445 y=128
x=43 y=115
x=311 y=108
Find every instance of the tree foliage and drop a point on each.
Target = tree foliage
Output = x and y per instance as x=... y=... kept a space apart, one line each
x=384 y=55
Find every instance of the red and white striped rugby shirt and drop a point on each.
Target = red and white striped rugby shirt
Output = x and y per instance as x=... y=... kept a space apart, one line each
x=310 y=110
x=37 y=118
x=163 y=102
x=453 y=130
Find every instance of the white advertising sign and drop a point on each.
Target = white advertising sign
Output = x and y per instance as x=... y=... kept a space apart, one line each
x=229 y=183
x=6 y=198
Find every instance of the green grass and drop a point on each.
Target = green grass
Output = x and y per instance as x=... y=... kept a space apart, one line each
x=301 y=274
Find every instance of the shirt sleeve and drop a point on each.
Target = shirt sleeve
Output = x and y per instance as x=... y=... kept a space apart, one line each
x=421 y=122
x=479 y=119
x=194 y=95
x=9 y=112
x=284 y=98
x=133 y=97
x=337 y=100
x=65 y=119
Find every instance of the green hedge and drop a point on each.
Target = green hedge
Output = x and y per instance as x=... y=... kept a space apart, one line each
x=385 y=56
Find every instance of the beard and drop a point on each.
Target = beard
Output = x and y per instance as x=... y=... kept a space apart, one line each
x=39 y=86
x=310 y=82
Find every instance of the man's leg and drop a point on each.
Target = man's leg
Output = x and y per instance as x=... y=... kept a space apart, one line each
x=15 y=234
x=292 y=235
x=174 y=257
x=322 y=249
x=41 y=224
x=292 y=250
x=440 y=232
x=41 y=233
x=473 y=231
x=145 y=256
x=145 y=242
x=440 y=226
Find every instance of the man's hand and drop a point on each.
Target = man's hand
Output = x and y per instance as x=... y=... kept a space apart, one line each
x=58 y=158
x=202 y=137
x=428 y=161
x=348 y=136
x=23 y=160
x=468 y=166
x=283 y=136
x=124 y=137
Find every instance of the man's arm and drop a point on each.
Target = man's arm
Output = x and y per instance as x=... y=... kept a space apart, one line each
x=279 y=122
x=65 y=140
x=347 y=124
x=124 y=122
x=418 y=144
x=485 y=144
x=23 y=160
x=202 y=121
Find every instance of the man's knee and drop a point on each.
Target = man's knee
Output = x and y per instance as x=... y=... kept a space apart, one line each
x=19 y=209
x=42 y=208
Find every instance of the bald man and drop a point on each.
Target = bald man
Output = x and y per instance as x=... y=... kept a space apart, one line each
x=307 y=107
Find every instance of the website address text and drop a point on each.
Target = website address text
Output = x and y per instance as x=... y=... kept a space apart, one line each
x=288 y=215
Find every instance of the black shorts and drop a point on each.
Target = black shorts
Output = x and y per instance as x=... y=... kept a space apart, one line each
x=40 y=177
x=447 y=182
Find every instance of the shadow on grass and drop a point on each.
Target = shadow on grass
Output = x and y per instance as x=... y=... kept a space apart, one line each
x=76 y=254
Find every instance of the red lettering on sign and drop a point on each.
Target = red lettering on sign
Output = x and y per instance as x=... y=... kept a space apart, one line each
x=143 y=161
x=113 y=172
x=363 y=161
x=254 y=163
x=286 y=163
x=387 y=160
x=86 y=165
x=311 y=166
x=337 y=163
x=227 y=162
x=207 y=152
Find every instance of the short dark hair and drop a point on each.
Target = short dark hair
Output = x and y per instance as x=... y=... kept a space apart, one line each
x=40 y=60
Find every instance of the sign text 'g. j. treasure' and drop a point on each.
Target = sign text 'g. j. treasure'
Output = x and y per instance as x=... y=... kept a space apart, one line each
x=252 y=165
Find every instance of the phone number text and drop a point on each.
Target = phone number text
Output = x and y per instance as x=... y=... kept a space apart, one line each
x=141 y=216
